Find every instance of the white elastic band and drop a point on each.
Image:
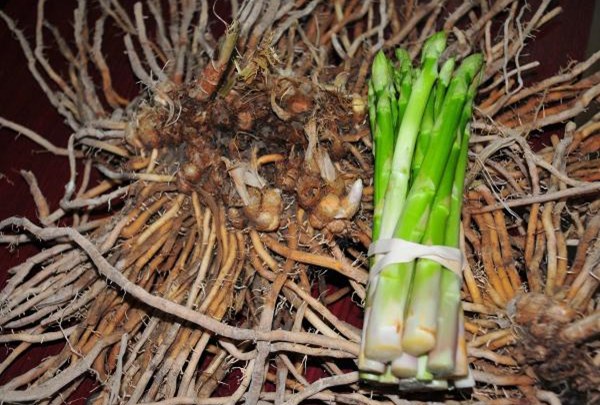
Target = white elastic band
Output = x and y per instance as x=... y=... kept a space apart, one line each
x=402 y=251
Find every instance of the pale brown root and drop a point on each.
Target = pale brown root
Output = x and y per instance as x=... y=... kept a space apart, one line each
x=40 y=140
x=498 y=359
x=573 y=192
x=502 y=380
x=318 y=260
x=322 y=384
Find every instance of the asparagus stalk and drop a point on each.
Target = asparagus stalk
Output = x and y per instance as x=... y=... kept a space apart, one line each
x=383 y=88
x=381 y=107
x=424 y=136
x=370 y=369
x=442 y=357
x=462 y=377
x=461 y=368
x=384 y=147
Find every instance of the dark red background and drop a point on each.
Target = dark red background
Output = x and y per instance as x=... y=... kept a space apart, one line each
x=560 y=41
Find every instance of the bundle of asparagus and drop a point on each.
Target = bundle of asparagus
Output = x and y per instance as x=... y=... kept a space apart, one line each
x=420 y=123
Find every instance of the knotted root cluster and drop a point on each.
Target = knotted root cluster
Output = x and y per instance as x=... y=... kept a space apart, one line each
x=243 y=176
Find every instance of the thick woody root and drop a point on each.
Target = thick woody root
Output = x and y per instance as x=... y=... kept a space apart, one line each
x=244 y=171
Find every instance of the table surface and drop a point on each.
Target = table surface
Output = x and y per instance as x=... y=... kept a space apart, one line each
x=562 y=40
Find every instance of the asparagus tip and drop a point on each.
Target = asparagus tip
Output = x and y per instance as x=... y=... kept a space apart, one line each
x=382 y=75
x=470 y=66
x=434 y=46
